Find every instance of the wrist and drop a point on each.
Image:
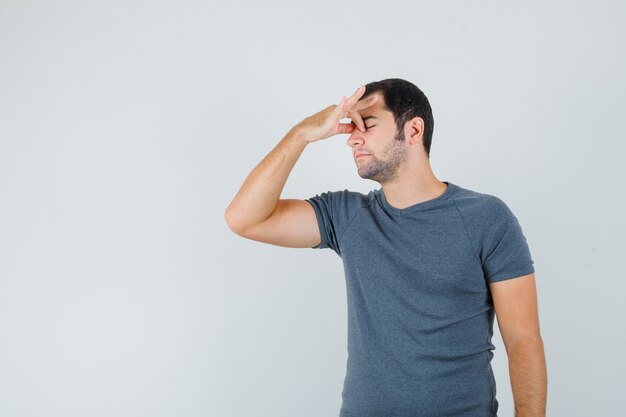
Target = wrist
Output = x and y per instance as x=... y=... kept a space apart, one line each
x=299 y=135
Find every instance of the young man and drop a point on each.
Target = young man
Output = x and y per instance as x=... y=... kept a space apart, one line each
x=427 y=263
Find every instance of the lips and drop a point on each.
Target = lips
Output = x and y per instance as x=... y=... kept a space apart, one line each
x=360 y=154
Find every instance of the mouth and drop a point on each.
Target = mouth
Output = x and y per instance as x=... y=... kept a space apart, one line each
x=360 y=155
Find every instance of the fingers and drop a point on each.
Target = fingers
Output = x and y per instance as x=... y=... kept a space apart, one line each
x=346 y=104
x=356 y=119
x=345 y=128
x=356 y=96
x=354 y=114
x=353 y=110
x=365 y=103
x=349 y=107
x=341 y=108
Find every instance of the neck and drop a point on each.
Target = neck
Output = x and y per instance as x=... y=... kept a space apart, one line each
x=413 y=187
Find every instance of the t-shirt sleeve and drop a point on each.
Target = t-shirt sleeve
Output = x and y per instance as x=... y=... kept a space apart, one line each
x=333 y=211
x=504 y=250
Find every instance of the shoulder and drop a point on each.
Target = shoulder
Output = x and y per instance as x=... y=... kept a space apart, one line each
x=335 y=210
x=346 y=198
x=475 y=205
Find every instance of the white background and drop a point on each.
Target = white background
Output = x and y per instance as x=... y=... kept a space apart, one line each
x=126 y=128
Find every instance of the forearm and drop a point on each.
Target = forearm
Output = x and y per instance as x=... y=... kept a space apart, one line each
x=258 y=196
x=528 y=374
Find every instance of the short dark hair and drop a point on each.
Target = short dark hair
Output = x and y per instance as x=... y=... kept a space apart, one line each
x=405 y=101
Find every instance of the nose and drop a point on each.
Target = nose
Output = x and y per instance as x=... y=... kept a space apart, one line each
x=356 y=138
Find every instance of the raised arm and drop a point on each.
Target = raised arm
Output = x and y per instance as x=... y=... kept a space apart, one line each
x=257 y=212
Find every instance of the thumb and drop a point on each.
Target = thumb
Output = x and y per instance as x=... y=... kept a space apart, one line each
x=345 y=128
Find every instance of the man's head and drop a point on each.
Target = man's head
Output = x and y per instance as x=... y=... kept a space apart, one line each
x=400 y=109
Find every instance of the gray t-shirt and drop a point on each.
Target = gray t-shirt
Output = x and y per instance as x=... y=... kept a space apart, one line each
x=420 y=313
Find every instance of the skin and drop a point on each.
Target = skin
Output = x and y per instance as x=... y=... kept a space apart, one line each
x=396 y=160
x=401 y=167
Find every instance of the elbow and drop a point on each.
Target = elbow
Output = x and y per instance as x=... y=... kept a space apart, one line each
x=228 y=218
x=232 y=224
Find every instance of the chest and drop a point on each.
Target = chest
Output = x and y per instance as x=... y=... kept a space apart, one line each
x=425 y=253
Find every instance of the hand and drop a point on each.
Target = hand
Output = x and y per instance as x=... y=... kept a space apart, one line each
x=325 y=124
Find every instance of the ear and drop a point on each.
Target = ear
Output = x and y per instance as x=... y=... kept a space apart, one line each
x=416 y=129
